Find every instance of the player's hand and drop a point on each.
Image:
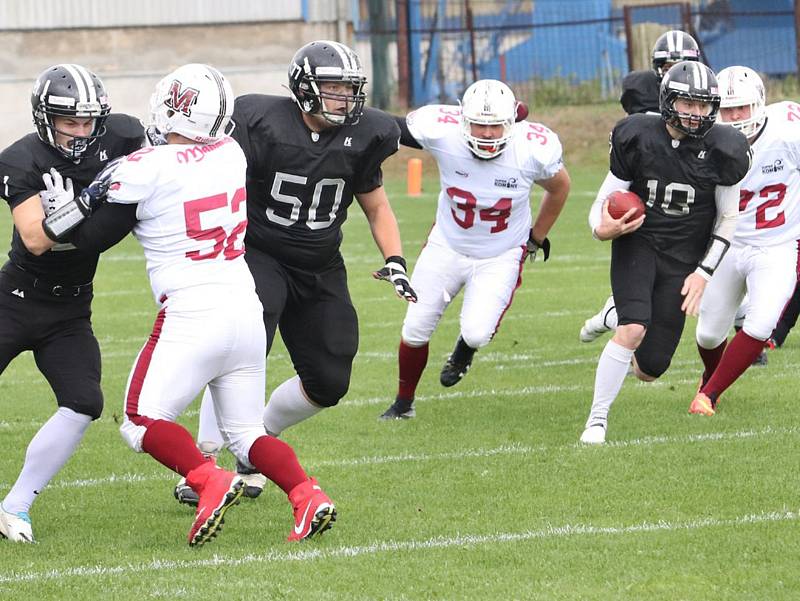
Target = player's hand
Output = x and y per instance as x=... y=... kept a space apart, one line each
x=692 y=291
x=92 y=196
x=532 y=247
x=57 y=192
x=395 y=272
x=611 y=228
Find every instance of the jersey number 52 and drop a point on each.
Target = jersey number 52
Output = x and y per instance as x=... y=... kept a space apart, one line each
x=225 y=243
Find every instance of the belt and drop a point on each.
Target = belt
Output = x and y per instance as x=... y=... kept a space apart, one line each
x=49 y=287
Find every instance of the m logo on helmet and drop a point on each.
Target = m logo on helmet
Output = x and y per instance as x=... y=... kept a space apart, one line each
x=181 y=101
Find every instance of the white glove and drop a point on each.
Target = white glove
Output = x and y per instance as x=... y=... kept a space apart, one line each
x=56 y=193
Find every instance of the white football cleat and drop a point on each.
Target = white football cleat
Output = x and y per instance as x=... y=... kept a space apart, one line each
x=16 y=527
x=594 y=434
x=600 y=323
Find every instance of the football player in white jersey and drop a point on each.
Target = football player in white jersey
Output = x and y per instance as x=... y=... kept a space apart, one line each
x=483 y=230
x=184 y=200
x=762 y=260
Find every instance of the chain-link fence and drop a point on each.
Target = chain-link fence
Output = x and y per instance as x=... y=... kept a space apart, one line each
x=559 y=50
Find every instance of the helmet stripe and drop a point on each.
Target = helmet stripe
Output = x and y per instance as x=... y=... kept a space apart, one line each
x=679 y=41
x=80 y=84
x=223 y=101
x=87 y=79
x=344 y=55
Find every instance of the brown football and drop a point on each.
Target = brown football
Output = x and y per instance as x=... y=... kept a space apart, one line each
x=622 y=201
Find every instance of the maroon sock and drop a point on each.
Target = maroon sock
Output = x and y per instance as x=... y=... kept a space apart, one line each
x=171 y=444
x=412 y=361
x=711 y=358
x=739 y=355
x=277 y=461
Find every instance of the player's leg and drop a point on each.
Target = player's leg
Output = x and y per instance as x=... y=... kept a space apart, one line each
x=319 y=327
x=601 y=322
x=722 y=299
x=68 y=356
x=789 y=316
x=633 y=273
x=488 y=294
x=770 y=285
x=238 y=393
x=438 y=276
x=185 y=350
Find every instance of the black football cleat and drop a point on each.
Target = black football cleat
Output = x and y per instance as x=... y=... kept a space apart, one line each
x=254 y=480
x=400 y=409
x=458 y=364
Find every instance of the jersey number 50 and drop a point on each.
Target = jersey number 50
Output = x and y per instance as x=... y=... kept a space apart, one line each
x=295 y=204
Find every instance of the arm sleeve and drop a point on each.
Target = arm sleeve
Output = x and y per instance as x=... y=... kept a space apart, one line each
x=727 y=200
x=370 y=175
x=406 y=138
x=105 y=228
x=611 y=183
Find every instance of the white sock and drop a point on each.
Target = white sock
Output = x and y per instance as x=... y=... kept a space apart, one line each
x=48 y=451
x=611 y=371
x=288 y=406
x=209 y=438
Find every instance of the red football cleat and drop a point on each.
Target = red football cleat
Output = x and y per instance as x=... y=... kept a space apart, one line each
x=314 y=512
x=702 y=405
x=218 y=490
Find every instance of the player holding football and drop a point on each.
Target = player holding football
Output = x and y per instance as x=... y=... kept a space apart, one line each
x=687 y=169
x=308 y=157
x=46 y=295
x=762 y=260
x=483 y=229
x=640 y=89
x=184 y=199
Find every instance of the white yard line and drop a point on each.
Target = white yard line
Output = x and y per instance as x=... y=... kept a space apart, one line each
x=382 y=547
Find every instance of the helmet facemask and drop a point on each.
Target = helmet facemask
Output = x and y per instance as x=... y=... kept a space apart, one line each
x=488 y=102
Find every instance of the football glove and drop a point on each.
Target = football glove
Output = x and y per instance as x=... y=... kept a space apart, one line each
x=532 y=247
x=395 y=272
x=57 y=192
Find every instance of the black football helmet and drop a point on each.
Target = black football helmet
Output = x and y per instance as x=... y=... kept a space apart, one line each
x=322 y=61
x=693 y=81
x=69 y=91
x=673 y=47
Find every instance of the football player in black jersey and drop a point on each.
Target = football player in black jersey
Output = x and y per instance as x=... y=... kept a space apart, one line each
x=687 y=169
x=45 y=295
x=308 y=156
x=640 y=89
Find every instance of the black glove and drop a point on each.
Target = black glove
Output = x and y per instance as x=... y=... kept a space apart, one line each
x=395 y=272
x=532 y=247
x=92 y=197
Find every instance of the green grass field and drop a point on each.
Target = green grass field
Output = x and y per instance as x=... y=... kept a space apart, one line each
x=485 y=495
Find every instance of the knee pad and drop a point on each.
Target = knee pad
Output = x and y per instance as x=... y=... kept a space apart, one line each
x=328 y=387
x=90 y=404
x=708 y=340
x=476 y=337
x=132 y=434
x=653 y=364
x=241 y=441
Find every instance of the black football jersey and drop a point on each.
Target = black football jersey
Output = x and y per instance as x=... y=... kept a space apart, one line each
x=21 y=167
x=640 y=90
x=300 y=183
x=677 y=180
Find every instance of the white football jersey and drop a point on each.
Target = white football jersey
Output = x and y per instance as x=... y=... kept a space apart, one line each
x=191 y=211
x=484 y=205
x=769 y=202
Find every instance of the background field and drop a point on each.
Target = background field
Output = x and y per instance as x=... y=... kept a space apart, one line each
x=485 y=495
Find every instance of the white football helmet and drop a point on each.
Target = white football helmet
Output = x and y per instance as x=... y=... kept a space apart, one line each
x=488 y=102
x=195 y=101
x=741 y=86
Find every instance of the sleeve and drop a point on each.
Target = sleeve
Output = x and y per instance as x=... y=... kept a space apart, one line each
x=610 y=183
x=733 y=156
x=551 y=161
x=406 y=138
x=727 y=201
x=370 y=176
x=620 y=156
x=241 y=131
x=17 y=185
x=432 y=122
x=628 y=97
x=105 y=228
x=132 y=181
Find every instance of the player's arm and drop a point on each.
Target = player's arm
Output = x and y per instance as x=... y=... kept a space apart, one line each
x=603 y=225
x=28 y=217
x=383 y=225
x=107 y=226
x=556 y=190
x=406 y=137
x=727 y=200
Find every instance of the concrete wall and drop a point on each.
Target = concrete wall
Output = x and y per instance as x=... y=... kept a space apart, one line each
x=254 y=57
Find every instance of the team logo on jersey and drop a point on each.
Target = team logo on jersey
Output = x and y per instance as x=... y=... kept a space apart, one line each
x=348 y=141
x=462 y=173
x=511 y=182
x=773 y=168
x=701 y=154
x=103 y=155
x=181 y=100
